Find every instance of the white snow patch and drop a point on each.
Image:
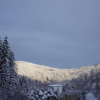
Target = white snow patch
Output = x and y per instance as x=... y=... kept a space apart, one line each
x=90 y=96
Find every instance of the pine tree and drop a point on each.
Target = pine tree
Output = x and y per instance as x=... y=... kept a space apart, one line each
x=1 y=70
x=0 y=51
x=13 y=70
x=13 y=67
x=9 y=73
x=5 y=65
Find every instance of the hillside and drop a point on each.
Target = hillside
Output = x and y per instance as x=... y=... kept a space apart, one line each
x=44 y=73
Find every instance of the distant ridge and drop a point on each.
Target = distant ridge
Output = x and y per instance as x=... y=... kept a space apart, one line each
x=45 y=74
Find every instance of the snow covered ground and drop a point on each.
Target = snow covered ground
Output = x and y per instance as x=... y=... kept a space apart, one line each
x=90 y=96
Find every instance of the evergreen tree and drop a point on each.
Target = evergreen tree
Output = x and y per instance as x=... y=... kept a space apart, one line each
x=5 y=66
x=1 y=70
x=0 y=51
x=4 y=59
x=9 y=73
x=13 y=69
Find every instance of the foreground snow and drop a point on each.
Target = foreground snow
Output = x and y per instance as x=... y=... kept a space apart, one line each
x=90 y=96
x=42 y=95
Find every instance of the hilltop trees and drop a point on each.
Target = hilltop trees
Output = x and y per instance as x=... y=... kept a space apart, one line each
x=7 y=69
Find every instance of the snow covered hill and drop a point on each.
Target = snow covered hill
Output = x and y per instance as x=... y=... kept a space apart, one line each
x=45 y=74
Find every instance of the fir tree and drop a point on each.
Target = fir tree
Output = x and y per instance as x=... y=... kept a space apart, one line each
x=9 y=73
x=5 y=66
x=13 y=70
x=4 y=60
x=0 y=51
x=1 y=70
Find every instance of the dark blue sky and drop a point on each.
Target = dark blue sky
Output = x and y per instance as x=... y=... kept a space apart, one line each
x=57 y=33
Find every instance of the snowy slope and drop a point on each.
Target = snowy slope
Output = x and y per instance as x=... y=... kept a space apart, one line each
x=45 y=73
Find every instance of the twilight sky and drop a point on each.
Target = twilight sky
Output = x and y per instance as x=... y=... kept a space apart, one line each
x=57 y=33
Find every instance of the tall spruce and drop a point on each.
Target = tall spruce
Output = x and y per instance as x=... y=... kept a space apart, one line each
x=0 y=51
x=9 y=73
x=1 y=69
x=13 y=70
x=5 y=62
